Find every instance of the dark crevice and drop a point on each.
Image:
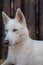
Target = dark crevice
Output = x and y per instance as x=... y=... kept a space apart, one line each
x=37 y=19
x=1 y=27
x=23 y=6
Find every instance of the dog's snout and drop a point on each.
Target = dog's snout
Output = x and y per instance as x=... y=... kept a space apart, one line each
x=6 y=42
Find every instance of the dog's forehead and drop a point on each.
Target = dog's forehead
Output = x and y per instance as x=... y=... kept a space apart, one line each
x=13 y=23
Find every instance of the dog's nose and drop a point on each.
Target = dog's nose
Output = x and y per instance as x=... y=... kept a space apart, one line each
x=6 y=42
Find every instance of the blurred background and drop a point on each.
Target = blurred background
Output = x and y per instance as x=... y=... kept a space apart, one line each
x=32 y=10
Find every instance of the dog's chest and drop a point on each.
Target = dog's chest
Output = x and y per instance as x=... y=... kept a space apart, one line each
x=14 y=53
x=18 y=54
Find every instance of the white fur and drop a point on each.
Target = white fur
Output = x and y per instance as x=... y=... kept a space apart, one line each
x=22 y=50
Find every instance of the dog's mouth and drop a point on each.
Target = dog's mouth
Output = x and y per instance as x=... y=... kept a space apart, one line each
x=6 y=43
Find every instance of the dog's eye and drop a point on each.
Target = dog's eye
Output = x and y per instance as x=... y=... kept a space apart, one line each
x=6 y=30
x=14 y=30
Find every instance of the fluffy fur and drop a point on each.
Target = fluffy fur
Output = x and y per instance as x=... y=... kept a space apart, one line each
x=22 y=49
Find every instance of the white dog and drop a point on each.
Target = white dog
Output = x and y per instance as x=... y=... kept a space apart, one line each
x=22 y=49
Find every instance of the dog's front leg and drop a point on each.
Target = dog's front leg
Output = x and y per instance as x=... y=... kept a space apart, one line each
x=7 y=62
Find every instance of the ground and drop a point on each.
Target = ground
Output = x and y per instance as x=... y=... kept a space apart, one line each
x=1 y=61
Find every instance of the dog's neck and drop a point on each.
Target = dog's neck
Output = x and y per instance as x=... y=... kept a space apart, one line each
x=19 y=46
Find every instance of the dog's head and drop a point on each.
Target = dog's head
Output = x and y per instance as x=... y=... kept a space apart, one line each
x=15 y=29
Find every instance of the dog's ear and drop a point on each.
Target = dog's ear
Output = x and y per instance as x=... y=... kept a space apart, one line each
x=20 y=17
x=5 y=17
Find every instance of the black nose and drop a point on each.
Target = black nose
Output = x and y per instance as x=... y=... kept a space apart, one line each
x=6 y=42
